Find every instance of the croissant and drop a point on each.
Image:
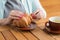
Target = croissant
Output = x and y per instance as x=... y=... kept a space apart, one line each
x=25 y=21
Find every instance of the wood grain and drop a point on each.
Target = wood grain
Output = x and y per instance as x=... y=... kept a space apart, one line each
x=8 y=35
x=28 y=35
x=1 y=36
x=18 y=35
x=41 y=34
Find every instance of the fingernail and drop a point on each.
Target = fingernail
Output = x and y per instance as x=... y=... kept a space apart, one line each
x=32 y=14
x=20 y=16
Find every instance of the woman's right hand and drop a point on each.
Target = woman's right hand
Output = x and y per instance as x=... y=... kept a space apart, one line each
x=15 y=15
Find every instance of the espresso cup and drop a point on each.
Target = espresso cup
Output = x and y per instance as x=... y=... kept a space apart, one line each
x=53 y=23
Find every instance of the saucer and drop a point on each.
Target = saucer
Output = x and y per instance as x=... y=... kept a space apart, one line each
x=30 y=27
x=51 y=31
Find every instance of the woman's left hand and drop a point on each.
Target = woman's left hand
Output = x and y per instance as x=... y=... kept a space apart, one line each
x=38 y=14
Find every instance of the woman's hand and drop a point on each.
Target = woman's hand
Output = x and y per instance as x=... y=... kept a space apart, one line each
x=15 y=15
x=38 y=14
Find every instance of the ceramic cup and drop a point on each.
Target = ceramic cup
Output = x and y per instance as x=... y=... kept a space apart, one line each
x=53 y=23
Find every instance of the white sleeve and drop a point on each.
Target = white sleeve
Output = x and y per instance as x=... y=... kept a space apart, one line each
x=2 y=5
x=39 y=6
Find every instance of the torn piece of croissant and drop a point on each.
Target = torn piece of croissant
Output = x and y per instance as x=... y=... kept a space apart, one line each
x=25 y=21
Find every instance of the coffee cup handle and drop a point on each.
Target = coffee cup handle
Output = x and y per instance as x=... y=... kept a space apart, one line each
x=47 y=24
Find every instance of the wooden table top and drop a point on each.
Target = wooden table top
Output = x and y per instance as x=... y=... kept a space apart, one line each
x=53 y=9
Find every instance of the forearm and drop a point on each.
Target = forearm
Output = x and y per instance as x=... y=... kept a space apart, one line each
x=4 y=21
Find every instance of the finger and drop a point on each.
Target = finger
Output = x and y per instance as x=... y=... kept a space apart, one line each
x=39 y=15
x=17 y=12
x=16 y=15
x=36 y=11
x=15 y=18
x=20 y=16
x=34 y=16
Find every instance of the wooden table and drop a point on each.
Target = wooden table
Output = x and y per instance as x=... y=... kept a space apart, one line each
x=53 y=9
x=10 y=33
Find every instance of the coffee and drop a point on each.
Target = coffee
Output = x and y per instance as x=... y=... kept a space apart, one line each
x=57 y=21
